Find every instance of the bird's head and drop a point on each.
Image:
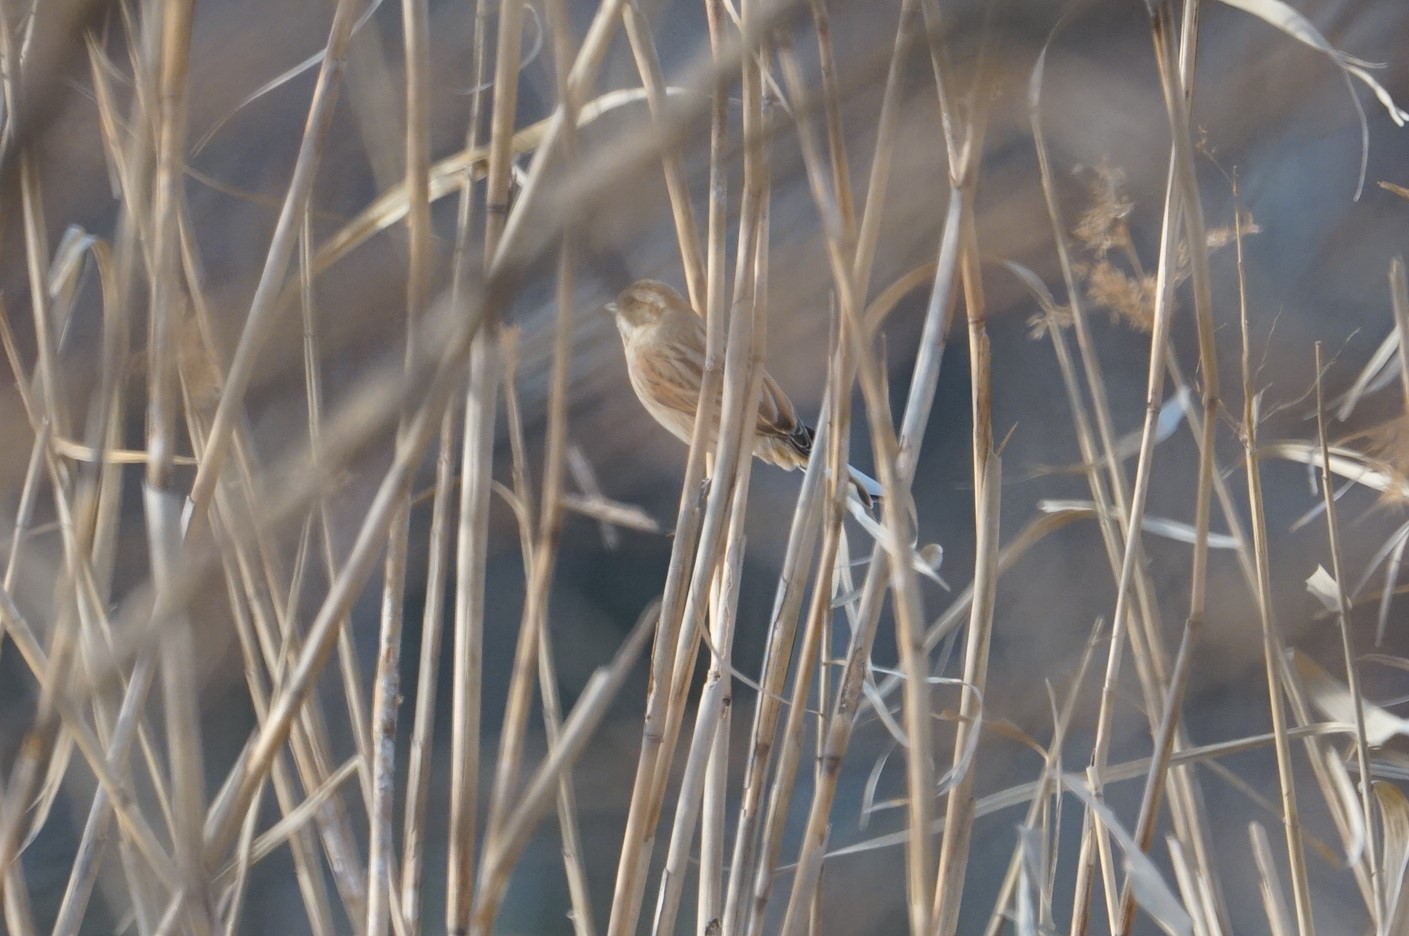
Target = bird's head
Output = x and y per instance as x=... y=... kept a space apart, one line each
x=642 y=304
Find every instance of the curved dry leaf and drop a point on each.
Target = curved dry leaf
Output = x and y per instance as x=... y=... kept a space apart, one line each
x=1323 y=586
x=1149 y=887
x=1390 y=545
x=1029 y=888
x=1394 y=816
x=1292 y=23
x=1274 y=905
x=924 y=559
x=1021 y=793
x=313 y=61
x=868 y=792
x=450 y=174
x=1348 y=464
x=1334 y=701
x=1344 y=789
x=615 y=513
x=1377 y=373
x=1175 y=530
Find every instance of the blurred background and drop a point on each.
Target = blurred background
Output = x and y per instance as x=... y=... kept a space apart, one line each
x=1275 y=113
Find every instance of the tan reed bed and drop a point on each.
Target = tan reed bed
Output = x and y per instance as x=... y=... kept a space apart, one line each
x=240 y=542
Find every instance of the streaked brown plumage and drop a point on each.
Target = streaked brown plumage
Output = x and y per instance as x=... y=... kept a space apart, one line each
x=665 y=353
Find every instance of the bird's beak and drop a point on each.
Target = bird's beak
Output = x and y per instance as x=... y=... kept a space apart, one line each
x=612 y=309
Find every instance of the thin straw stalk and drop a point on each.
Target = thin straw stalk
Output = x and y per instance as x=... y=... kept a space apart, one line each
x=477 y=445
x=1378 y=891
x=1176 y=107
x=1272 y=649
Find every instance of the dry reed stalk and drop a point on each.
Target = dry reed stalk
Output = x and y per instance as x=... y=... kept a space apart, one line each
x=736 y=426
x=239 y=535
x=712 y=903
x=1273 y=904
x=959 y=812
x=324 y=629
x=44 y=736
x=1176 y=103
x=688 y=579
x=753 y=843
x=1174 y=209
x=272 y=596
x=477 y=442
x=809 y=658
x=335 y=828
x=267 y=640
x=710 y=720
x=536 y=554
x=95 y=506
x=551 y=515
x=386 y=693
x=533 y=804
x=516 y=709
x=1378 y=905
x=1048 y=783
x=643 y=50
x=709 y=745
x=914 y=660
x=1109 y=490
x=324 y=625
x=926 y=374
x=1151 y=665
x=1272 y=649
x=1399 y=303
x=264 y=305
x=801 y=541
x=418 y=779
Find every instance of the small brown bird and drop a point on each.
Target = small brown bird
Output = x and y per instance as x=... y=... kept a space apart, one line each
x=665 y=355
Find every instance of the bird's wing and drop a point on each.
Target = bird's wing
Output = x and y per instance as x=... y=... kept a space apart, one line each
x=669 y=379
x=776 y=415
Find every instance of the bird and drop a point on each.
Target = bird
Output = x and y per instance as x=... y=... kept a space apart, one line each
x=664 y=341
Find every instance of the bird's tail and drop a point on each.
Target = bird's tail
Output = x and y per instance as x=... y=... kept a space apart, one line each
x=868 y=489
